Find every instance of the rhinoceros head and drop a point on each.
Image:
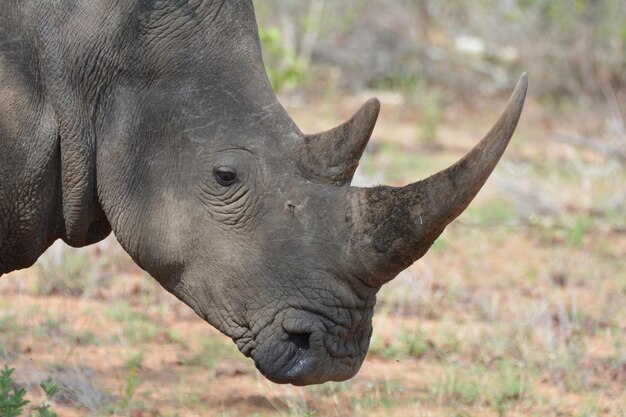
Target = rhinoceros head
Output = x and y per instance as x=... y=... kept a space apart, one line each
x=211 y=187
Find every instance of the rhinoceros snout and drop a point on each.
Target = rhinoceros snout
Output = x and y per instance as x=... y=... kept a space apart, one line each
x=303 y=349
x=302 y=341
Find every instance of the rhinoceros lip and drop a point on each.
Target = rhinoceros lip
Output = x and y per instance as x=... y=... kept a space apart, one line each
x=306 y=367
x=246 y=345
x=298 y=348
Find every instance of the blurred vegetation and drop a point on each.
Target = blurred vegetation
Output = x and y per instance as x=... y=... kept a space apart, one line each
x=12 y=402
x=570 y=47
x=283 y=67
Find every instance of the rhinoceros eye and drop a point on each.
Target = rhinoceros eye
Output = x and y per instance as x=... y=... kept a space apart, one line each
x=225 y=176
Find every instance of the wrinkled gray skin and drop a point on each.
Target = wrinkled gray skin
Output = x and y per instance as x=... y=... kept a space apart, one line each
x=135 y=116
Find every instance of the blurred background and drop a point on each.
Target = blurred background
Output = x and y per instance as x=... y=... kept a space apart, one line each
x=519 y=309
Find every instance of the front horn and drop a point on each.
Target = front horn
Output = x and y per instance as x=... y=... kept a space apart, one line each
x=394 y=227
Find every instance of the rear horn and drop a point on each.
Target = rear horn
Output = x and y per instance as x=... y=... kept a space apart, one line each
x=333 y=156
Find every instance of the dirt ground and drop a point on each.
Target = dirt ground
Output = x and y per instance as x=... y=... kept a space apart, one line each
x=518 y=310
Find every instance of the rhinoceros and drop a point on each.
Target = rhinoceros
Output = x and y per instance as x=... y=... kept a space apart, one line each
x=155 y=120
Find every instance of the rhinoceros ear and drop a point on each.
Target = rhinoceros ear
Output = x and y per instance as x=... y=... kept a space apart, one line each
x=333 y=156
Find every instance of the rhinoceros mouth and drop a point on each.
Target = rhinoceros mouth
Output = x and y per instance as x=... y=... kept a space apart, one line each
x=303 y=348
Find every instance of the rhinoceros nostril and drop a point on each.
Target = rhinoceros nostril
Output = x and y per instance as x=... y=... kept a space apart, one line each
x=300 y=340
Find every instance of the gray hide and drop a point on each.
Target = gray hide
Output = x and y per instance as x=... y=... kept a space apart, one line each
x=155 y=119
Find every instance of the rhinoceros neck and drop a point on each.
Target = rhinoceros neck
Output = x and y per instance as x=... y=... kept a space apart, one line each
x=29 y=180
x=47 y=190
x=29 y=186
